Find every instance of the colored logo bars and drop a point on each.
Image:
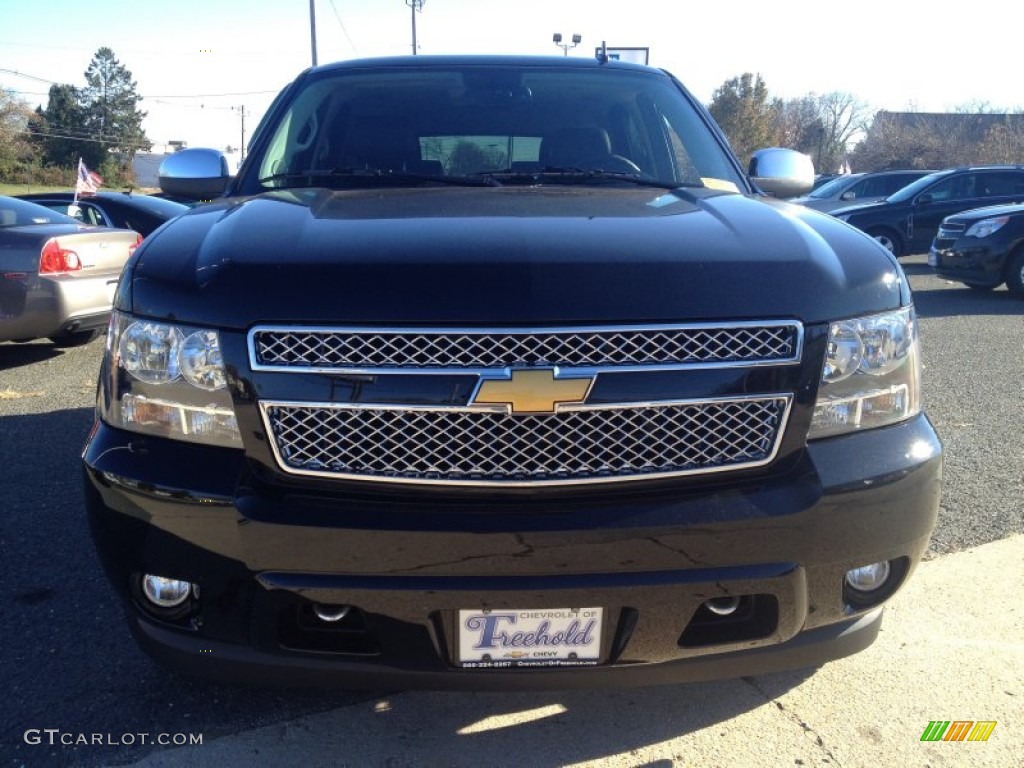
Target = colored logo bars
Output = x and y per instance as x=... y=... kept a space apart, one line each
x=958 y=730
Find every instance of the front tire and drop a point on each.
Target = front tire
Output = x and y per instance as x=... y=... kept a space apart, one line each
x=1015 y=273
x=888 y=240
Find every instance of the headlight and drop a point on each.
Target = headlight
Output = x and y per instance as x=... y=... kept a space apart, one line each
x=986 y=227
x=167 y=380
x=871 y=376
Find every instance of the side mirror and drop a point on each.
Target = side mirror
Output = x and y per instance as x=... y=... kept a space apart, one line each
x=781 y=172
x=924 y=199
x=849 y=195
x=199 y=174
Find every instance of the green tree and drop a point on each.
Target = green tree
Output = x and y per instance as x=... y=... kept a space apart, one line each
x=109 y=104
x=60 y=130
x=742 y=110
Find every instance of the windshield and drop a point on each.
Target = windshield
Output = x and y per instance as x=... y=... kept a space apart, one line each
x=834 y=188
x=20 y=213
x=912 y=190
x=510 y=123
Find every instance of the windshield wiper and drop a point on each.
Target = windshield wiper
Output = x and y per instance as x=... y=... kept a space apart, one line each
x=377 y=174
x=573 y=174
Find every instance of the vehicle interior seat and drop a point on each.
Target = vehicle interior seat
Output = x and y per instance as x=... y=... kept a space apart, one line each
x=381 y=145
x=584 y=147
x=575 y=147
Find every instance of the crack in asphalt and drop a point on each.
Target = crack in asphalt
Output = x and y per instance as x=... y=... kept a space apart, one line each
x=807 y=728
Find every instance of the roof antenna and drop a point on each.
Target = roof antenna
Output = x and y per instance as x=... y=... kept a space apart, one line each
x=602 y=54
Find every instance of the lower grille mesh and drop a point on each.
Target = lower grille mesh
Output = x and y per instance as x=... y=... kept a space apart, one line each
x=464 y=446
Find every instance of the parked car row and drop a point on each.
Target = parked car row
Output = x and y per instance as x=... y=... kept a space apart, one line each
x=970 y=220
x=126 y=210
x=841 y=191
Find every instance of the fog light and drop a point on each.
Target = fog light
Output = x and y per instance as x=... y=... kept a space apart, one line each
x=164 y=592
x=331 y=613
x=722 y=606
x=868 y=578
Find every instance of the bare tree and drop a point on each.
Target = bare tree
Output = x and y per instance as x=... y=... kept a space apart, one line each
x=15 y=149
x=843 y=117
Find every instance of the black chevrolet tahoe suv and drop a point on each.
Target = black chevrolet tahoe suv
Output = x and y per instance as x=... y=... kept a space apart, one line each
x=496 y=372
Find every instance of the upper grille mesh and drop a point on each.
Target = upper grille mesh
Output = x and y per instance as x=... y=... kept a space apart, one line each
x=427 y=349
x=485 y=447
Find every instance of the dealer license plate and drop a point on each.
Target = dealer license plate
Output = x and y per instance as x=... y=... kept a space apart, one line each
x=548 y=637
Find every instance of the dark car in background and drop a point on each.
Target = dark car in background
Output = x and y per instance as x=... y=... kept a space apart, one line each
x=982 y=248
x=842 y=191
x=501 y=372
x=124 y=210
x=57 y=277
x=906 y=221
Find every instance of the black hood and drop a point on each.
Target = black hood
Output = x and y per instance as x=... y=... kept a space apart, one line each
x=507 y=256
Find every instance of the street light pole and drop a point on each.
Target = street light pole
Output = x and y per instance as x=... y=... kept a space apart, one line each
x=557 y=38
x=415 y=5
x=312 y=29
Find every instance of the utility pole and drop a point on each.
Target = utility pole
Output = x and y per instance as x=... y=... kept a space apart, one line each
x=241 y=111
x=312 y=31
x=415 y=5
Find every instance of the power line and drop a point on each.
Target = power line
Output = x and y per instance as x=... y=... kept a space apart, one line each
x=345 y=31
x=166 y=96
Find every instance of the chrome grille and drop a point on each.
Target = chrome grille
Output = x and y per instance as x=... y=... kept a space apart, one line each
x=333 y=349
x=464 y=446
x=948 y=234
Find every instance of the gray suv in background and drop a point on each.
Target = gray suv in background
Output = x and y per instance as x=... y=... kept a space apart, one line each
x=857 y=187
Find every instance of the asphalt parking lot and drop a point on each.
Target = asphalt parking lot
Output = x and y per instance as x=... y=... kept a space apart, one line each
x=71 y=665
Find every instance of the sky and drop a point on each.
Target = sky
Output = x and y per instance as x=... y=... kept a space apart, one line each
x=198 y=63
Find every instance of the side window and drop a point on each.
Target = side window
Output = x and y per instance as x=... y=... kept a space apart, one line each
x=894 y=184
x=92 y=215
x=858 y=190
x=961 y=187
x=877 y=186
x=942 y=190
x=1002 y=184
x=1018 y=184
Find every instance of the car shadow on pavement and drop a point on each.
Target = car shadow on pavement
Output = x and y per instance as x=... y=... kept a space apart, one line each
x=65 y=651
x=18 y=355
x=959 y=300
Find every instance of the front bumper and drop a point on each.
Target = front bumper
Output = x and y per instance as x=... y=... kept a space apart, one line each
x=262 y=553
x=981 y=265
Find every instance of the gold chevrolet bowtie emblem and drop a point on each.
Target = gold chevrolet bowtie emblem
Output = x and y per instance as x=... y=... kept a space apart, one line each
x=532 y=391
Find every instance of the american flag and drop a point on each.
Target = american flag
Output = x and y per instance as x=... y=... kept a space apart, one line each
x=88 y=182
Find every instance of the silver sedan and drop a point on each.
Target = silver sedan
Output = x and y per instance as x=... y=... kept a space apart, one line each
x=57 y=277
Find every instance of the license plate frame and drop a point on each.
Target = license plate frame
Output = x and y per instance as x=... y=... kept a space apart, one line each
x=523 y=638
